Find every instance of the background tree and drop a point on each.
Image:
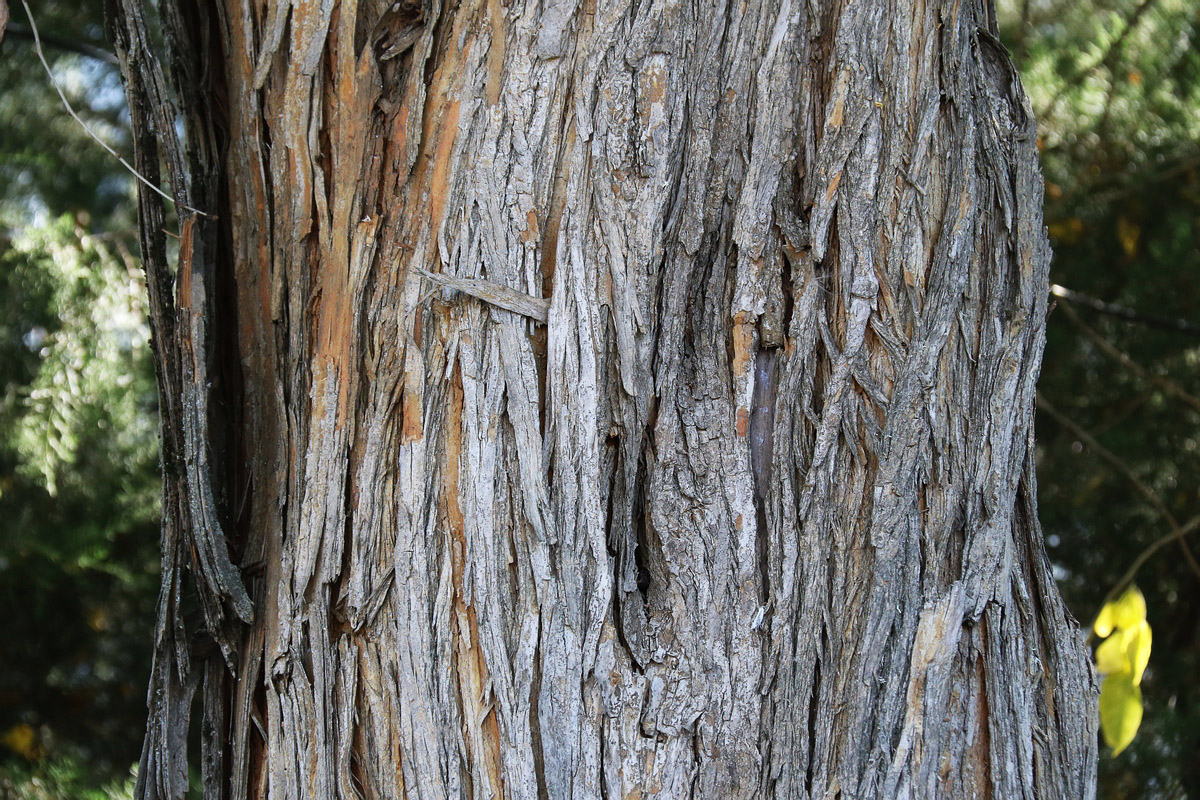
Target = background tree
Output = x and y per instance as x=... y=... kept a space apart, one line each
x=601 y=399
x=48 y=164
x=1116 y=86
x=78 y=441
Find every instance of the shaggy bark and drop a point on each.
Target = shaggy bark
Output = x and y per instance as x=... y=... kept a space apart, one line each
x=601 y=399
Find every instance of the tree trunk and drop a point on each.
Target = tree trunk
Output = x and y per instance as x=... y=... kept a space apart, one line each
x=619 y=399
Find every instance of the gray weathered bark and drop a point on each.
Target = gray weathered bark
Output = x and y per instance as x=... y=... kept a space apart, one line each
x=602 y=399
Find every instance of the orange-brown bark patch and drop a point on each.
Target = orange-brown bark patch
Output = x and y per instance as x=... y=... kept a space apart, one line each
x=531 y=232
x=412 y=428
x=743 y=338
x=980 y=755
x=495 y=58
x=441 y=167
x=558 y=201
x=833 y=186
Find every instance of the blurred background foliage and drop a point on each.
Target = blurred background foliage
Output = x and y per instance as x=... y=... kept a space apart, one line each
x=1115 y=85
x=78 y=430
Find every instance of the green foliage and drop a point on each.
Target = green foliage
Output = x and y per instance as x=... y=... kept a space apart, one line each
x=48 y=164
x=78 y=451
x=86 y=395
x=61 y=780
x=78 y=496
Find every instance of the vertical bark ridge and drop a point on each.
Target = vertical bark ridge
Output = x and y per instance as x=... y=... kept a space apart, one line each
x=953 y=372
x=749 y=515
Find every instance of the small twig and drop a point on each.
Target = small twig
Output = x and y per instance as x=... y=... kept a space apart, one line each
x=1166 y=384
x=88 y=49
x=1123 y=412
x=1176 y=531
x=1127 y=314
x=1142 y=557
x=37 y=47
x=1140 y=184
x=537 y=308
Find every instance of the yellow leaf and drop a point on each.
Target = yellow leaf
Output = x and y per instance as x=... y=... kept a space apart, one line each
x=1103 y=625
x=1137 y=650
x=98 y=619
x=1130 y=608
x=1112 y=656
x=22 y=740
x=1120 y=711
x=1125 y=612
x=1069 y=231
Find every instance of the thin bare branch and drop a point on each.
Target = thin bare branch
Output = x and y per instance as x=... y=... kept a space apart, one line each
x=1125 y=313
x=1176 y=535
x=18 y=31
x=1177 y=532
x=37 y=47
x=1166 y=384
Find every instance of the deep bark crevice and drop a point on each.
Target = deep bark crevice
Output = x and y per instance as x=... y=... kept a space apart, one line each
x=813 y=700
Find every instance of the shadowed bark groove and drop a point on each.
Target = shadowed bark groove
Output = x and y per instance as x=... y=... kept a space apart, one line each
x=629 y=400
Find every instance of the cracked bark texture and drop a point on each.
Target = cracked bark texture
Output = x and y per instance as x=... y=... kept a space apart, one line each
x=600 y=399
